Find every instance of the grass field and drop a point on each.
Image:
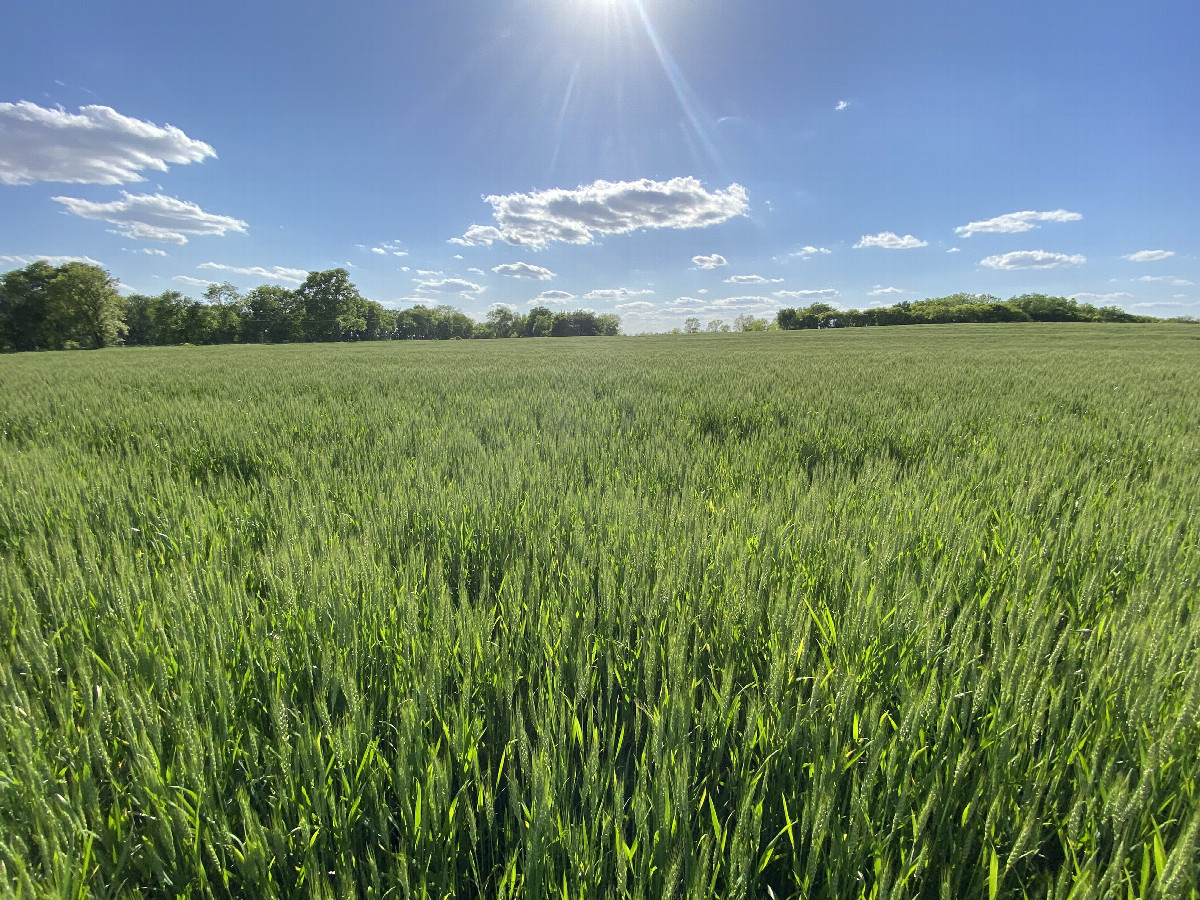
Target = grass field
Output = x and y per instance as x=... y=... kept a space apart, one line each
x=904 y=612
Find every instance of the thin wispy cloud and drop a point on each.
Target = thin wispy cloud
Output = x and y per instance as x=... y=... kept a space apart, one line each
x=1016 y=222
x=889 y=240
x=154 y=217
x=20 y=260
x=604 y=207
x=457 y=287
x=97 y=145
x=553 y=297
x=192 y=282
x=271 y=273
x=880 y=291
x=1165 y=279
x=810 y=295
x=614 y=294
x=751 y=279
x=1149 y=255
x=1032 y=259
x=1089 y=297
x=393 y=248
x=809 y=252
x=524 y=270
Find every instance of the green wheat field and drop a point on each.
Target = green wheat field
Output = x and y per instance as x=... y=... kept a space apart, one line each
x=903 y=612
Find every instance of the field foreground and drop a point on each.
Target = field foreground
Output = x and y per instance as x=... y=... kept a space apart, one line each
x=869 y=613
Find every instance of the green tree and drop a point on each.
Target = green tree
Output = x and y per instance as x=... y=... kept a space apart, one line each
x=271 y=314
x=691 y=325
x=44 y=307
x=26 y=321
x=333 y=308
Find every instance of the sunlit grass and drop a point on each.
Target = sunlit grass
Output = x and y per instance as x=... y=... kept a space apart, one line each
x=874 y=613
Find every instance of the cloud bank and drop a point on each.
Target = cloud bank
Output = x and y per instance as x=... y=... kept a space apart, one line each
x=604 y=207
x=97 y=145
x=153 y=217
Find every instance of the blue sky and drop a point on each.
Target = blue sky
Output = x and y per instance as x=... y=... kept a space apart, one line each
x=656 y=158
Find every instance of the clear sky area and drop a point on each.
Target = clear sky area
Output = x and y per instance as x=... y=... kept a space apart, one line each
x=654 y=158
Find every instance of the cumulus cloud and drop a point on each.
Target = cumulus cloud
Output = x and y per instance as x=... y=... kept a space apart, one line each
x=51 y=260
x=524 y=270
x=809 y=251
x=890 y=241
x=153 y=217
x=822 y=294
x=954 y=250
x=192 y=282
x=467 y=290
x=1115 y=297
x=273 y=273
x=604 y=207
x=97 y=145
x=556 y=297
x=1016 y=222
x=709 y=262
x=1032 y=259
x=751 y=279
x=1149 y=255
x=636 y=305
x=615 y=294
x=880 y=291
x=841 y=104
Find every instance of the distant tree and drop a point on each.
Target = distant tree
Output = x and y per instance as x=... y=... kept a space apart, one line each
x=716 y=325
x=538 y=322
x=747 y=322
x=44 y=307
x=272 y=314
x=333 y=308
x=228 y=307
x=502 y=322
x=691 y=325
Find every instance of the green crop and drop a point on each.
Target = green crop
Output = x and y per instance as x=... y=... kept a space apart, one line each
x=869 y=613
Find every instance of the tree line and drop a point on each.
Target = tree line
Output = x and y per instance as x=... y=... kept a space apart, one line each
x=75 y=305
x=957 y=308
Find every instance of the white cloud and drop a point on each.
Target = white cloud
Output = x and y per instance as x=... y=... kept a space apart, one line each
x=465 y=289
x=809 y=251
x=1032 y=259
x=1115 y=297
x=702 y=291
x=614 y=294
x=500 y=304
x=97 y=145
x=1016 y=222
x=747 y=304
x=153 y=217
x=880 y=291
x=524 y=270
x=953 y=250
x=273 y=273
x=841 y=104
x=51 y=260
x=604 y=207
x=1149 y=255
x=890 y=241
x=551 y=297
x=428 y=273
x=709 y=262
x=189 y=280
x=153 y=251
x=1166 y=279
x=392 y=247
x=751 y=279
x=635 y=306
x=822 y=294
